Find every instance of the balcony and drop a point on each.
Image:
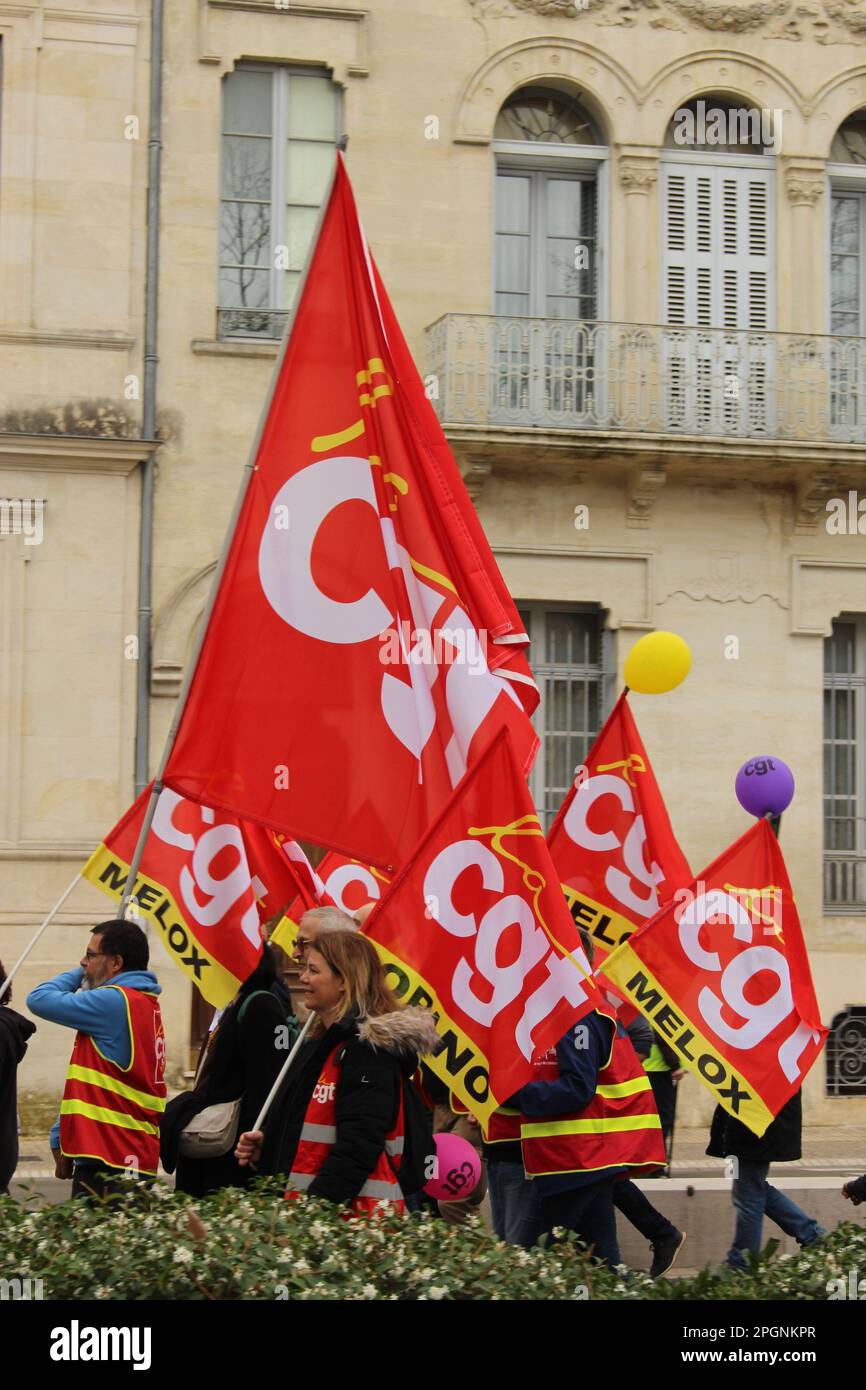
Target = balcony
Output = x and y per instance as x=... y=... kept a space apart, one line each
x=569 y=374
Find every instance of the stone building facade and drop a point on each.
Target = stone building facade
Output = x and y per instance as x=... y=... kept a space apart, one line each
x=626 y=242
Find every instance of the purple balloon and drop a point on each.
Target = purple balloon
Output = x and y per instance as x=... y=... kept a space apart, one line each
x=765 y=786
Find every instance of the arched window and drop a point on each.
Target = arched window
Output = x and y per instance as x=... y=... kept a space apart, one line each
x=546 y=217
x=550 y=117
x=717 y=125
x=548 y=286
x=848 y=227
x=717 y=271
x=849 y=142
x=847 y=309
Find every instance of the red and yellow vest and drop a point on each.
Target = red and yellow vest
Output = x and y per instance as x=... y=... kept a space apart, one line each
x=112 y=1113
x=619 y=1128
x=504 y=1124
x=319 y=1133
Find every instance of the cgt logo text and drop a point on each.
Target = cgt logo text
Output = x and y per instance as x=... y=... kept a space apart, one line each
x=76 y=1343
x=324 y=1092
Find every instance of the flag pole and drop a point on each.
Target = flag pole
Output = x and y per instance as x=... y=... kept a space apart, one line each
x=269 y=1100
x=246 y=478
x=33 y=940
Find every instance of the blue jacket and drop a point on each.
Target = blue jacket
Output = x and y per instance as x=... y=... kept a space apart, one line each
x=100 y=1012
x=580 y=1056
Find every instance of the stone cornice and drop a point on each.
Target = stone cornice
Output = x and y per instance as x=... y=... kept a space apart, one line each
x=67 y=453
x=108 y=341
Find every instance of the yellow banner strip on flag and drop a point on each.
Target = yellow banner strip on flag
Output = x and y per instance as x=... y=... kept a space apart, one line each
x=461 y=1064
x=604 y=925
x=285 y=934
x=106 y=870
x=729 y=1087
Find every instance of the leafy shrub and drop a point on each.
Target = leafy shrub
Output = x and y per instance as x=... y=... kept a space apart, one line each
x=252 y=1244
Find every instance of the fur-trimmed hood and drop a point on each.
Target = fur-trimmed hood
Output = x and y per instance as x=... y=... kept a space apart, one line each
x=404 y=1032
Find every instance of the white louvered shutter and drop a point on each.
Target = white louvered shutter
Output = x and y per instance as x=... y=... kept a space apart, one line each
x=717 y=275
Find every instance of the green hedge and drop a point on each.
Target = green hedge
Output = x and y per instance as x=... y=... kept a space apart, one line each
x=253 y=1244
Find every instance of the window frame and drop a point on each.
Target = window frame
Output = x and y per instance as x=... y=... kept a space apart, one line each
x=521 y=156
x=536 y=609
x=846 y=178
x=279 y=137
x=858 y=682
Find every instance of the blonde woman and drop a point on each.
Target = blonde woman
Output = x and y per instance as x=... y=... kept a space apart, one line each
x=336 y=1130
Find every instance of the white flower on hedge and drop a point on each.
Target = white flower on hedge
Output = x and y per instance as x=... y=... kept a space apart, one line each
x=182 y=1255
x=369 y=1291
x=436 y=1292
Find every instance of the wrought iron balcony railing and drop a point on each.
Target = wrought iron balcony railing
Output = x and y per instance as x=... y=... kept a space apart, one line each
x=582 y=375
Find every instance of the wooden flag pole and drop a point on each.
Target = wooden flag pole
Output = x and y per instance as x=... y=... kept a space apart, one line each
x=33 y=940
x=246 y=478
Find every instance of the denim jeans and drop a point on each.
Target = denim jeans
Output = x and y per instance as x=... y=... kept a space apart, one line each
x=753 y=1196
x=514 y=1203
x=588 y=1211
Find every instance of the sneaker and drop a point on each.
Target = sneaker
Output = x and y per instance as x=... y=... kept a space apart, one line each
x=665 y=1252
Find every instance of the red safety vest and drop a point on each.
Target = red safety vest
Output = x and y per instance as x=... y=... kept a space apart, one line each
x=112 y=1113
x=619 y=1128
x=504 y=1124
x=319 y=1133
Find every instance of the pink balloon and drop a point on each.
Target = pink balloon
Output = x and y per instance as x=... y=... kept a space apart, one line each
x=458 y=1169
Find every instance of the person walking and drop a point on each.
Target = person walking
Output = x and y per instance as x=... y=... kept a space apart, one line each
x=752 y=1195
x=337 y=1128
x=591 y=1120
x=661 y=1065
x=665 y=1240
x=15 y=1031
x=115 y=1090
x=239 y=1060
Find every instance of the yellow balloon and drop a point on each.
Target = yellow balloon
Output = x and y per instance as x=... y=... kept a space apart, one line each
x=656 y=663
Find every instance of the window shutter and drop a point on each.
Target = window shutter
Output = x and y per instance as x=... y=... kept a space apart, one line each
x=717 y=247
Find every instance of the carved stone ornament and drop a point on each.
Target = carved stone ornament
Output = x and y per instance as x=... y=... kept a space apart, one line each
x=815 y=21
x=638 y=176
x=475 y=475
x=803 y=188
x=644 y=487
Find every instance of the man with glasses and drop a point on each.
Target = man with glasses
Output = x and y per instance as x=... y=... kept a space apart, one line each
x=115 y=1091
x=316 y=921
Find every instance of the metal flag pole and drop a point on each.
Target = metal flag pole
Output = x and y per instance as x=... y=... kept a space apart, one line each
x=246 y=478
x=33 y=940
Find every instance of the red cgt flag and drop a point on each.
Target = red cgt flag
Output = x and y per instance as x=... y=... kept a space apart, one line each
x=206 y=882
x=722 y=973
x=612 y=841
x=476 y=928
x=363 y=647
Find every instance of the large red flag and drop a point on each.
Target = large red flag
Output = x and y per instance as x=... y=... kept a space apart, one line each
x=612 y=842
x=363 y=647
x=475 y=927
x=722 y=973
x=206 y=882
